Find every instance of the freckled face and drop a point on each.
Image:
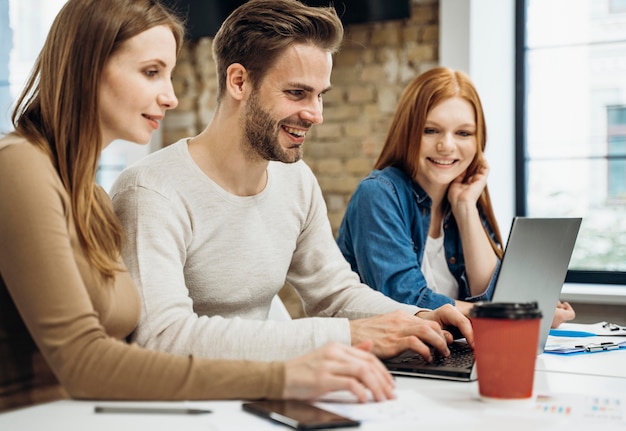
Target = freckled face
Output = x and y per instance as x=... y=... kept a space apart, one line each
x=287 y=102
x=448 y=143
x=136 y=87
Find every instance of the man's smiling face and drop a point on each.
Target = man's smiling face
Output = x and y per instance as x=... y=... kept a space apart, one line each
x=286 y=103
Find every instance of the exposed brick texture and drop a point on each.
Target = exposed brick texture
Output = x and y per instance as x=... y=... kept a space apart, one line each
x=375 y=63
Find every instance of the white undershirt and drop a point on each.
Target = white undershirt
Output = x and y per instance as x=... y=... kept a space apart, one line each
x=436 y=271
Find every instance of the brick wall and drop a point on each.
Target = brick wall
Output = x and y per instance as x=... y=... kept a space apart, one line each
x=375 y=63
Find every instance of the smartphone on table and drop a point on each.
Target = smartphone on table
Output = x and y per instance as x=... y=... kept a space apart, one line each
x=298 y=414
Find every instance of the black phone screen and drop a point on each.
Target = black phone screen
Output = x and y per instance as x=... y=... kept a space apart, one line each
x=299 y=414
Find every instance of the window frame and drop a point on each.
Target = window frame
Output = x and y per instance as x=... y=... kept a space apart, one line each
x=521 y=158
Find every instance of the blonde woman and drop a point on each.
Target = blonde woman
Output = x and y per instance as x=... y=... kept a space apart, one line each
x=67 y=302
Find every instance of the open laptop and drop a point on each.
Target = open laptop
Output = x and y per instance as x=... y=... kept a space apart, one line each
x=533 y=268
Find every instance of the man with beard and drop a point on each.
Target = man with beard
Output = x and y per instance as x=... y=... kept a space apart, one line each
x=216 y=224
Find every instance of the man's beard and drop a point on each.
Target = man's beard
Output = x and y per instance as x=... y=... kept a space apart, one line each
x=261 y=133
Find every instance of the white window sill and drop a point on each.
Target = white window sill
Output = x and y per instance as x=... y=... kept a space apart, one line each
x=594 y=293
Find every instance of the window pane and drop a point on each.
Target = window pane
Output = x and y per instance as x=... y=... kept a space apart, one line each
x=567 y=188
x=576 y=123
x=616 y=131
x=24 y=25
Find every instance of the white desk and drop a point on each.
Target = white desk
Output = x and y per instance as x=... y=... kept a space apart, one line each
x=606 y=364
x=437 y=405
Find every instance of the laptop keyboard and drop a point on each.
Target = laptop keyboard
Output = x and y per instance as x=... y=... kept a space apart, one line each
x=461 y=356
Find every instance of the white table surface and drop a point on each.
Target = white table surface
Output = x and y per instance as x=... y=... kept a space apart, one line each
x=577 y=383
x=607 y=364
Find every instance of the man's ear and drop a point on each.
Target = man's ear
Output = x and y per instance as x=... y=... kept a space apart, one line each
x=236 y=80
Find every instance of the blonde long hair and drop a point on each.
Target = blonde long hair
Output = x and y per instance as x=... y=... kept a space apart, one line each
x=58 y=108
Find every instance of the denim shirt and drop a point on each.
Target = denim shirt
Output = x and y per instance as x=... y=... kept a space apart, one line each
x=383 y=237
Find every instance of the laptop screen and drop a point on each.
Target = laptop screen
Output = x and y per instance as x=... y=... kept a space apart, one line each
x=535 y=264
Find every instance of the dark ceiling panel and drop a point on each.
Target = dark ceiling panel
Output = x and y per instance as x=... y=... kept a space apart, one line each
x=204 y=17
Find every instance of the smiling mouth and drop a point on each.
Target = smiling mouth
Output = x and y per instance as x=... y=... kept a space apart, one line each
x=298 y=133
x=154 y=121
x=149 y=117
x=442 y=162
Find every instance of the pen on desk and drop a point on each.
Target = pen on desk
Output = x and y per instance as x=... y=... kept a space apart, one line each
x=568 y=333
x=598 y=347
x=613 y=327
x=149 y=410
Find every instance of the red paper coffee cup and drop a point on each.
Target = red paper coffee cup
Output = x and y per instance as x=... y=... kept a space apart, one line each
x=506 y=337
